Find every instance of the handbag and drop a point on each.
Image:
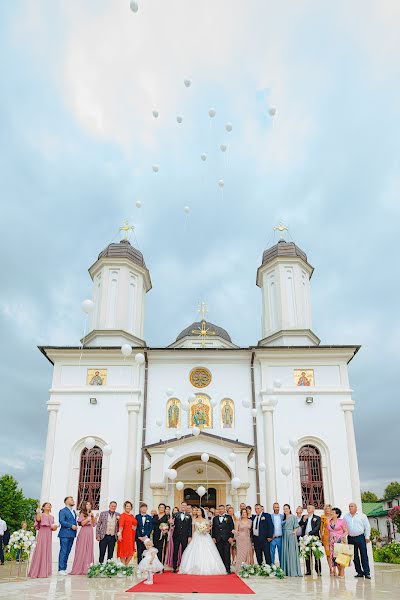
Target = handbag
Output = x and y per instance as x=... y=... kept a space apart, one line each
x=346 y=549
x=343 y=560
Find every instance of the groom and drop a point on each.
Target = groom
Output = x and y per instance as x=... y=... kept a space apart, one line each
x=182 y=535
x=222 y=527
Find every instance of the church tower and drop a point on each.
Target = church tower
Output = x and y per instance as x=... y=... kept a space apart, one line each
x=284 y=278
x=120 y=283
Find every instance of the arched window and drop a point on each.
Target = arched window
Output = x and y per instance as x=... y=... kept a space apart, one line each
x=312 y=486
x=90 y=476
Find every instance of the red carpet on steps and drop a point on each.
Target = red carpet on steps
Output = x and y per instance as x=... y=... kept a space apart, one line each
x=170 y=583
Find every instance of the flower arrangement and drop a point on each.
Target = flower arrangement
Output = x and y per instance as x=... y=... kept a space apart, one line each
x=263 y=570
x=164 y=528
x=394 y=516
x=112 y=568
x=311 y=544
x=202 y=527
x=22 y=540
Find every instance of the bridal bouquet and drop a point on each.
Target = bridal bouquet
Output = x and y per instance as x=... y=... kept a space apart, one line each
x=22 y=540
x=311 y=544
x=202 y=528
x=164 y=528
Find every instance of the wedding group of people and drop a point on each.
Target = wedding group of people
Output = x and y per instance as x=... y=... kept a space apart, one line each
x=198 y=542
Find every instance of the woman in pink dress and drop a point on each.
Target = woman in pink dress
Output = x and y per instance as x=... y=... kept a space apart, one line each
x=337 y=534
x=41 y=559
x=244 y=547
x=169 y=562
x=84 y=555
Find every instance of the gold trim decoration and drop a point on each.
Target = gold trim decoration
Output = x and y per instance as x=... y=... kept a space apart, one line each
x=200 y=377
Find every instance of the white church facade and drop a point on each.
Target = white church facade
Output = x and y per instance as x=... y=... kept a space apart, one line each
x=275 y=419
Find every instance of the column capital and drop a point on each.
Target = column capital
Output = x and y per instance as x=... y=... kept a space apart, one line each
x=243 y=487
x=133 y=406
x=158 y=486
x=53 y=405
x=347 y=405
x=266 y=406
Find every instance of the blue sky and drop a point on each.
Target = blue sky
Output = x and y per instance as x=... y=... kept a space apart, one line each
x=77 y=142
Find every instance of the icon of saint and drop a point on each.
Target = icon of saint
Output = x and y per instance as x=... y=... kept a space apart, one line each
x=96 y=379
x=303 y=380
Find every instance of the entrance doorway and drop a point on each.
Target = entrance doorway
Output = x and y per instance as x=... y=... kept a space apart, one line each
x=209 y=500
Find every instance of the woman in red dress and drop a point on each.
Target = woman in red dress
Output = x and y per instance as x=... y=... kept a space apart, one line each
x=126 y=534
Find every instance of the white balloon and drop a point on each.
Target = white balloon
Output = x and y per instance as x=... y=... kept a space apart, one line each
x=293 y=442
x=192 y=397
x=170 y=452
x=179 y=485
x=172 y=474
x=196 y=431
x=169 y=392
x=261 y=467
x=134 y=6
x=221 y=183
x=203 y=157
x=246 y=403
x=232 y=456
x=223 y=147
x=187 y=209
x=159 y=422
x=228 y=127
x=205 y=457
x=87 y=306
x=213 y=402
x=107 y=450
x=156 y=114
x=179 y=119
x=90 y=443
x=155 y=168
x=273 y=401
x=272 y=111
x=185 y=406
x=138 y=204
x=139 y=358
x=236 y=483
x=285 y=470
x=212 y=112
x=277 y=383
x=201 y=490
x=254 y=412
x=285 y=450
x=187 y=82
x=126 y=349
x=178 y=434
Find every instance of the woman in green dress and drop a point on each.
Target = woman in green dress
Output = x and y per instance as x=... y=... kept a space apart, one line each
x=290 y=551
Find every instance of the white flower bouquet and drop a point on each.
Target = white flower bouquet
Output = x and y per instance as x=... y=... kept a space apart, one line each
x=112 y=568
x=202 y=528
x=311 y=544
x=22 y=540
x=263 y=570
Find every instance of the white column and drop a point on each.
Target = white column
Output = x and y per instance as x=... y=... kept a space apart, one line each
x=348 y=407
x=269 y=454
x=52 y=407
x=133 y=408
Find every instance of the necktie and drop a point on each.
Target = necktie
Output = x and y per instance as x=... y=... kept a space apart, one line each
x=257 y=523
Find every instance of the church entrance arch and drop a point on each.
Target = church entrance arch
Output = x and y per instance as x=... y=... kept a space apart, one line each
x=214 y=475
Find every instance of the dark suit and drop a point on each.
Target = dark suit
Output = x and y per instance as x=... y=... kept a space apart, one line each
x=221 y=532
x=181 y=535
x=159 y=538
x=260 y=541
x=315 y=528
x=142 y=530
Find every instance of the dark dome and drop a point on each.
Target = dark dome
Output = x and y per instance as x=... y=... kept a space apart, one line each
x=123 y=250
x=284 y=249
x=219 y=331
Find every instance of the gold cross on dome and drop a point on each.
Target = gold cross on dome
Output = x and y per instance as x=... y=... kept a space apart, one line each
x=126 y=228
x=203 y=332
x=281 y=228
x=202 y=309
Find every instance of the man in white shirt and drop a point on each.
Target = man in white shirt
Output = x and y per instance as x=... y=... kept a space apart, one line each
x=3 y=529
x=276 y=542
x=359 y=536
x=238 y=513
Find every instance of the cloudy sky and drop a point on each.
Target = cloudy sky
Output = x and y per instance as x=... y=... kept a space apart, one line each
x=79 y=83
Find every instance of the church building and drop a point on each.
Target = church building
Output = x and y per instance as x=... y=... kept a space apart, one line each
x=269 y=422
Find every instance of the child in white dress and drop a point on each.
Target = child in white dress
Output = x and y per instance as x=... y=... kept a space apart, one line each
x=150 y=563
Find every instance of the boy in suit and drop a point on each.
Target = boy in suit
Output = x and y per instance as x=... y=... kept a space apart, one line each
x=263 y=531
x=222 y=528
x=143 y=529
x=67 y=533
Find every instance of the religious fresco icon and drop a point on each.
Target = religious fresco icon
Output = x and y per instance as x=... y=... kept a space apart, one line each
x=200 y=413
x=96 y=377
x=200 y=377
x=173 y=413
x=227 y=414
x=304 y=377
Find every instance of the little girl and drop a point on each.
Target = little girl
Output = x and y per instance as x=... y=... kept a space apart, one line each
x=150 y=563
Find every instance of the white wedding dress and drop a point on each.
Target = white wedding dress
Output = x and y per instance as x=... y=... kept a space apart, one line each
x=201 y=556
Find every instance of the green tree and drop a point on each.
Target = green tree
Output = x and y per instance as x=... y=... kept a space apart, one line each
x=369 y=497
x=14 y=507
x=392 y=490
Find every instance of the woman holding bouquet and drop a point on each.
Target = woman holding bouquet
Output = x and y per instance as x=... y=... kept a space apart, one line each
x=337 y=534
x=84 y=555
x=160 y=532
x=126 y=534
x=290 y=552
x=41 y=560
x=201 y=556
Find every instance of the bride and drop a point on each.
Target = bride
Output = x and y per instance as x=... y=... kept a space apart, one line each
x=201 y=556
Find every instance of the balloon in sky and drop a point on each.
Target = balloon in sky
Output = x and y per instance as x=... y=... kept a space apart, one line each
x=187 y=82
x=212 y=112
x=187 y=209
x=203 y=157
x=87 y=306
x=223 y=147
x=272 y=111
x=156 y=168
x=221 y=183
x=138 y=204
x=134 y=6
x=155 y=114
x=179 y=119
x=228 y=127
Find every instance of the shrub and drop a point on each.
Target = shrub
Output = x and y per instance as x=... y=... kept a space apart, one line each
x=388 y=554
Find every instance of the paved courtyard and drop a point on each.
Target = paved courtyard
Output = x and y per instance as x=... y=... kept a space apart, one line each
x=386 y=584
